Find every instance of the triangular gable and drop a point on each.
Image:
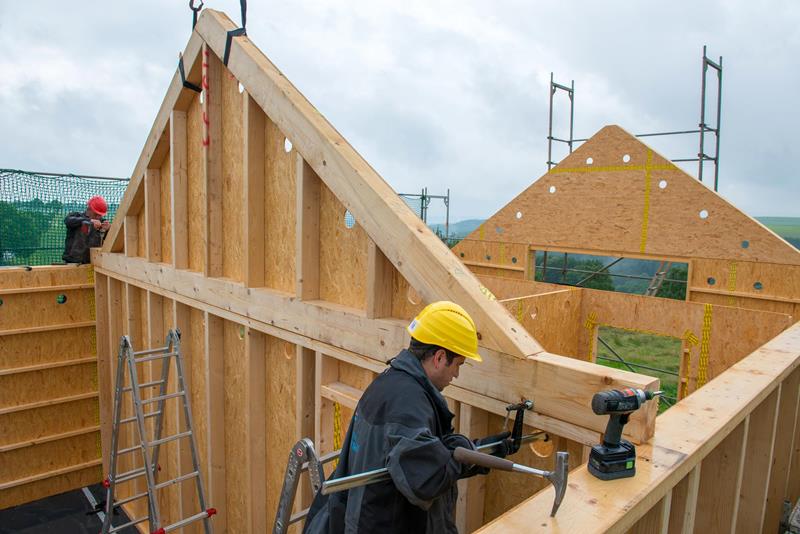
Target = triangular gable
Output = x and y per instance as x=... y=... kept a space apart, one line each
x=614 y=194
x=417 y=254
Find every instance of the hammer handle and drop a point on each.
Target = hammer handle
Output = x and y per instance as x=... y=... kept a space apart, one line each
x=470 y=457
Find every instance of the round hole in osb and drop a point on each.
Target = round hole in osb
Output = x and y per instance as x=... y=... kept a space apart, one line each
x=498 y=229
x=513 y=259
x=462 y=254
x=662 y=184
x=626 y=158
x=543 y=448
x=759 y=286
x=745 y=244
x=703 y=214
x=711 y=280
x=552 y=189
x=518 y=215
x=488 y=258
x=589 y=161
x=349 y=220
x=61 y=298
x=287 y=145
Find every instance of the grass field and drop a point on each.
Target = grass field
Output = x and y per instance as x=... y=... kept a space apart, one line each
x=659 y=352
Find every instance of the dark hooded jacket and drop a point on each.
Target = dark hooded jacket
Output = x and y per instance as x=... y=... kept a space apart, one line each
x=401 y=422
x=81 y=236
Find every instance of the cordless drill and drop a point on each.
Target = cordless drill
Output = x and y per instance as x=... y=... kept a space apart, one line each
x=616 y=457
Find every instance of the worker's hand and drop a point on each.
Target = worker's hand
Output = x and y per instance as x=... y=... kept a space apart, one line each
x=97 y=224
x=503 y=448
x=105 y=226
x=452 y=441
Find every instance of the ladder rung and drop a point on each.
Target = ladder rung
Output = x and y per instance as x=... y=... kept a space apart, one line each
x=151 y=351
x=170 y=438
x=130 y=499
x=189 y=520
x=156 y=357
x=298 y=516
x=129 y=449
x=133 y=418
x=162 y=397
x=145 y=385
x=130 y=475
x=176 y=480
x=130 y=524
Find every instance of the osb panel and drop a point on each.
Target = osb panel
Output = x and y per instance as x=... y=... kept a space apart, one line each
x=503 y=287
x=232 y=179
x=342 y=255
x=22 y=310
x=194 y=348
x=45 y=276
x=38 y=423
x=236 y=437
x=280 y=402
x=25 y=388
x=619 y=207
x=406 y=302
x=505 y=490
x=280 y=218
x=21 y=350
x=45 y=457
x=195 y=187
x=166 y=210
x=734 y=332
x=494 y=251
x=50 y=486
x=358 y=378
x=775 y=306
x=553 y=319
x=482 y=270
x=781 y=281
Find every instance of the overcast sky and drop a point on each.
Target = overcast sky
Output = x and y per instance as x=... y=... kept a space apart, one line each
x=443 y=94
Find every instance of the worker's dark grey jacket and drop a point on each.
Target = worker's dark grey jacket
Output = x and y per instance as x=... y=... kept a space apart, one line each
x=401 y=422
x=81 y=236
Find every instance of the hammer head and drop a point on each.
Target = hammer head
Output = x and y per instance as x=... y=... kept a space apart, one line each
x=558 y=477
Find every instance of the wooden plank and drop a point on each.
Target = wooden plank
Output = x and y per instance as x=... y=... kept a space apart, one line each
x=379 y=283
x=25 y=290
x=215 y=417
x=196 y=186
x=253 y=127
x=131 y=235
x=53 y=485
x=471 y=492
x=48 y=402
x=326 y=372
x=15 y=278
x=781 y=452
x=48 y=328
x=304 y=410
x=308 y=202
x=49 y=474
x=656 y=521
x=179 y=188
x=421 y=257
x=165 y=196
x=344 y=394
x=235 y=420
x=720 y=481
x=255 y=462
x=48 y=438
x=47 y=366
x=50 y=420
x=684 y=503
x=176 y=97
x=759 y=447
x=152 y=214
x=212 y=159
x=43 y=309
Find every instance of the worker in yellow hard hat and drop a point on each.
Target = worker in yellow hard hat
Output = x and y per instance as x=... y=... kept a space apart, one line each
x=402 y=422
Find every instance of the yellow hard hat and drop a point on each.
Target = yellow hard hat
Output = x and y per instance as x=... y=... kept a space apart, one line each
x=448 y=325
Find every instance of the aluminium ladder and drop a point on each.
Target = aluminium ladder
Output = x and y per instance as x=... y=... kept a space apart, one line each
x=149 y=448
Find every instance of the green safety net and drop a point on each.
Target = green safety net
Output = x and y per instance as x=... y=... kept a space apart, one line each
x=33 y=207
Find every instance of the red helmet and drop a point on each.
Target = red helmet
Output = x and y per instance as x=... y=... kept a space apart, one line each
x=98 y=205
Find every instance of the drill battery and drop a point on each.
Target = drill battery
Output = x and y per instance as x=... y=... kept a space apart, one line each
x=609 y=463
